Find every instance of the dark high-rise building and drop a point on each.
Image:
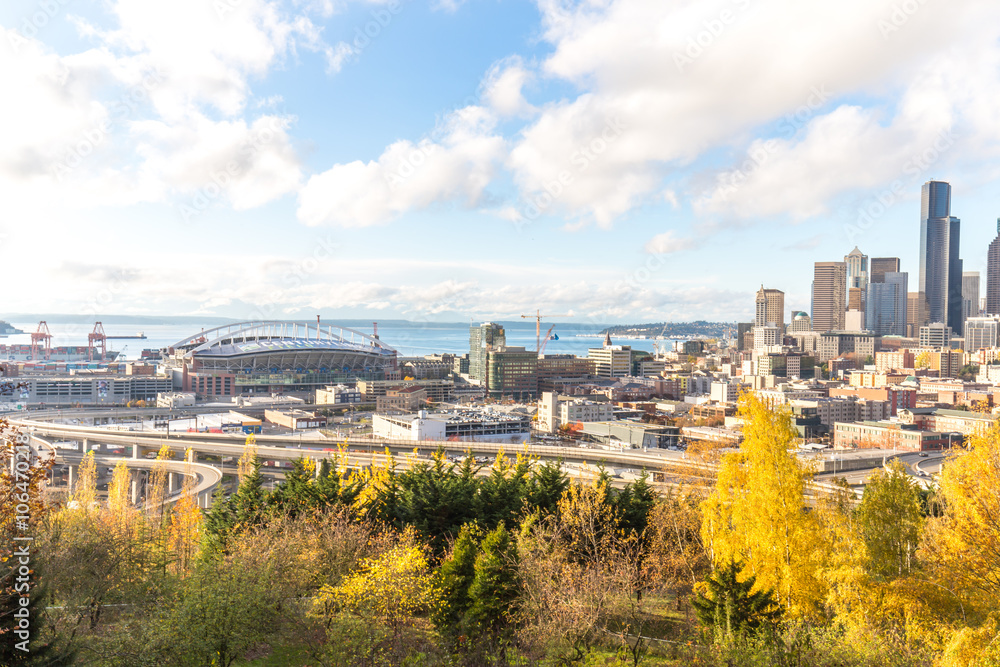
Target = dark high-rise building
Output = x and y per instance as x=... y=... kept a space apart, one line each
x=993 y=275
x=879 y=266
x=940 y=283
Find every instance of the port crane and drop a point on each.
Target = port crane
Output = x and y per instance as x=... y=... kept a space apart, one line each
x=538 y=326
x=97 y=339
x=43 y=336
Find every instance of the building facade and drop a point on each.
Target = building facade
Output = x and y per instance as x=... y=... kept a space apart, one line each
x=829 y=296
x=484 y=338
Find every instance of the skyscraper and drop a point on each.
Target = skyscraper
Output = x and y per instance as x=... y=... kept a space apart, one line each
x=829 y=296
x=880 y=266
x=970 y=294
x=483 y=339
x=887 y=305
x=857 y=289
x=940 y=283
x=770 y=308
x=993 y=275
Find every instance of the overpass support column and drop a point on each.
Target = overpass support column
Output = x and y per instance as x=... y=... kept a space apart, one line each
x=71 y=478
x=135 y=451
x=135 y=490
x=189 y=456
x=171 y=482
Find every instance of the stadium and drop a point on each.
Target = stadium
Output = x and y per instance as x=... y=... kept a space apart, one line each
x=277 y=357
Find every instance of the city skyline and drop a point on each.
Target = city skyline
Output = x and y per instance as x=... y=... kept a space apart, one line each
x=452 y=160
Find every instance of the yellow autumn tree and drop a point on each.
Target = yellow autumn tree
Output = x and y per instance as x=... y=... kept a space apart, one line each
x=390 y=590
x=246 y=463
x=186 y=520
x=757 y=514
x=85 y=493
x=156 y=490
x=969 y=532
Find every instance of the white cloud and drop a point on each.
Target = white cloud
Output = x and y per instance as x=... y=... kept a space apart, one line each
x=691 y=77
x=408 y=175
x=502 y=87
x=668 y=242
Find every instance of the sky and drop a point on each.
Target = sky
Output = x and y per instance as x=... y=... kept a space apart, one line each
x=604 y=160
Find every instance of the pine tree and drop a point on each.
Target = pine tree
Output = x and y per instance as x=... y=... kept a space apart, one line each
x=454 y=579
x=633 y=505
x=248 y=503
x=732 y=607
x=297 y=493
x=547 y=485
x=495 y=589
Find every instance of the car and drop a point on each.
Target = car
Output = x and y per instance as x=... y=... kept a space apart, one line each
x=923 y=454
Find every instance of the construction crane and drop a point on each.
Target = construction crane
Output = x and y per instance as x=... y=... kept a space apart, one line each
x=97 y=339
x=548 y=336
x=538 y=326
x=41 y=336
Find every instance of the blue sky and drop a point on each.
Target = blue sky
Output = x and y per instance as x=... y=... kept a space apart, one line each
x=616 y=160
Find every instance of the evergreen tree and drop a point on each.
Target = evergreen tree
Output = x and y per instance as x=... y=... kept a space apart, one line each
x=248 y=503
x=633 y=505
x=297 y=492
x=547 y=485
x=454 y=579
x=732 y=607
x=495 y=589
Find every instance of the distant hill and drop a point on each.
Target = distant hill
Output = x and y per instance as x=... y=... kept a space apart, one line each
x=671 y=329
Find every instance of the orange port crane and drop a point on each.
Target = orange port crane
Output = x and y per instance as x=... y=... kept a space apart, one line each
x=97 y=340
x=538 y=326
x=41 y=336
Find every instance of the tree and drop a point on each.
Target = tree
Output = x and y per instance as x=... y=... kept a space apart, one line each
x=22 y=512
x=757 y=515
x=732 y=607
x=186 y=524
x=378 y=604
x=495 y=588
x=226 y=607
x=454 y=579
x=966 y=541
x=890 y=522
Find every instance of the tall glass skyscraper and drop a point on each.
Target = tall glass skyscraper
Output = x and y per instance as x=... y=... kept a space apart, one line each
x=993 y=275
x=940 y=284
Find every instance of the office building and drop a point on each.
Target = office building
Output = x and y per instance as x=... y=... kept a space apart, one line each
x=800 y=322
x=770 y=308
x=829 y=296
x=880 y=266
x=982 y=333
x=993 y=275
x=857 y=279
x=940 y=283
x=512 y=373
x=611 y=361
x=482 y=339
x=916 y=313
x=765 y=336
x=936 y=335
x=970 y=294
x=886 y=307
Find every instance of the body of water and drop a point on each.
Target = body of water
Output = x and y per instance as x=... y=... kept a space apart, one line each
x=409 y=338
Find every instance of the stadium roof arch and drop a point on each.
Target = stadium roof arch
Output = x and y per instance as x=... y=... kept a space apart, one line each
x=281 y=346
